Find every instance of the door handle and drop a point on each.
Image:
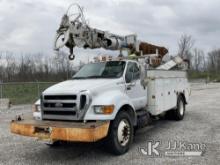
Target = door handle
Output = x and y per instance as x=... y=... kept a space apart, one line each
x=128 y=87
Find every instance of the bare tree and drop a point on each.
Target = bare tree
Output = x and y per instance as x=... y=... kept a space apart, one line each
x=185 y=45
x=198 y=60
x=34 y=67
x=1 y=67
x=10 y=66
x=214 y=60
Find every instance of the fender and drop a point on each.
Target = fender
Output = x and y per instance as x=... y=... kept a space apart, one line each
x=114 y=97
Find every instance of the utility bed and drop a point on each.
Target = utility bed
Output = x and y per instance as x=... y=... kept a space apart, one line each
x=163 y=89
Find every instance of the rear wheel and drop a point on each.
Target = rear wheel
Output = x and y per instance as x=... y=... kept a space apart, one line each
x=179 y=112
x=121 y=134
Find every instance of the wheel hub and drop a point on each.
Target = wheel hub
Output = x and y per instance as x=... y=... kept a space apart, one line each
x=181 y=108
x=123 y=132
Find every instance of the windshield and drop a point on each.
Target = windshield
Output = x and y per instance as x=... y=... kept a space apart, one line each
x=110 y=69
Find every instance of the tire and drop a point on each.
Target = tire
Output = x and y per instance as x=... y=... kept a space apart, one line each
x=179 y=112
x=121 y=133
x=53 y=144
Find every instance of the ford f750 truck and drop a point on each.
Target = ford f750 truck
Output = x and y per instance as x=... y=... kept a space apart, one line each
x=106 y=100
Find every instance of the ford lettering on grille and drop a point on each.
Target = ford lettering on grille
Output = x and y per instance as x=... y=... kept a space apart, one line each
x=58 y=105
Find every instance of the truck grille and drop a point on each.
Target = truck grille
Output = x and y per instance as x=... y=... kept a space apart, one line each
x=60 y=107
x=59 y=113
x=61 y=97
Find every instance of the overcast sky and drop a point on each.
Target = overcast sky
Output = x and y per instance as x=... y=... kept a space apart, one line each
x=30 y=25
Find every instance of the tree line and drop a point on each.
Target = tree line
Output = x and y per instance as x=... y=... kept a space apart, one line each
x=35 y=67
x=39 y=67
x=202 y=65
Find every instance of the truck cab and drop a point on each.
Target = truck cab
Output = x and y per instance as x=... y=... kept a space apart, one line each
x=97 y=86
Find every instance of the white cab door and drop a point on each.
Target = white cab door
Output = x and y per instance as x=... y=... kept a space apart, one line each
x=135 y=91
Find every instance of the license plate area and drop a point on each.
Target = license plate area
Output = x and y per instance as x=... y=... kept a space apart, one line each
x=43 y=132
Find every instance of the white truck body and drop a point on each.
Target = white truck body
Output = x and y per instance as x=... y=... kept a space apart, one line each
x=94 y=105
x=157 y=93
x=163 y=88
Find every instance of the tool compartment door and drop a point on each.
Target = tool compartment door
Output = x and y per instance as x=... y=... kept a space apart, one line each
x=162 y=89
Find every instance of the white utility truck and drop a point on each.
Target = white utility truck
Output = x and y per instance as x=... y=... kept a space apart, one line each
x=109 y=98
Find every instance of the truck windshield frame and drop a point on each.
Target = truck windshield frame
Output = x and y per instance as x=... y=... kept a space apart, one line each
x=108 y=69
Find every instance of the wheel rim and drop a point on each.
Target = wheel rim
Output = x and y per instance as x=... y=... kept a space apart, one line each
x=181 y=108
x=124 y=132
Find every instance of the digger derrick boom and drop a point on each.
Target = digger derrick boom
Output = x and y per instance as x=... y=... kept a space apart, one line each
x=77 y=33
x=147 y=48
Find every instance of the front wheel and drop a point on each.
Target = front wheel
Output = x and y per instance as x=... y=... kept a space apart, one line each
x=121 y=134
x=53 y=143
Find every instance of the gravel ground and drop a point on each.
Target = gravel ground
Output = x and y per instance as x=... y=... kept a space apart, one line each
x=201 y=125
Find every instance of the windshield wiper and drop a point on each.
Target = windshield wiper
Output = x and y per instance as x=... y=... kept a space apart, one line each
x=101 y=76
x=79 y=77
x=87 y=77
x=94 y=77
x=112 y=76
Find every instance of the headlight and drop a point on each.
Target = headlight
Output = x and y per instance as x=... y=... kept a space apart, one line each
x=104 y=109
x=36 y=108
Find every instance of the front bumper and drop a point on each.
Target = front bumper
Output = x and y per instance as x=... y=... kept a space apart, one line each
x=61 y=130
